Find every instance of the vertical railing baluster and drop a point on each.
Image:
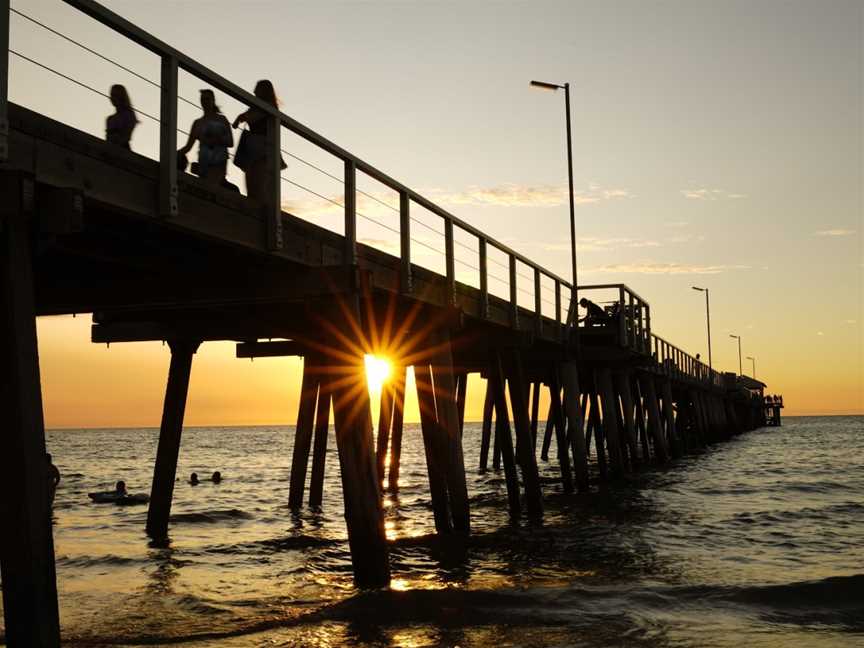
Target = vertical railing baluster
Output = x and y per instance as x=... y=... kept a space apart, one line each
x=484 y=278
x=168 y=139
x=538 y=303
x=4 y=80
x=274 y=204
x=622 y=324
x=405 y=241
x=350 y=255
x=450 y=261
x=561 y=328
x=514 y=304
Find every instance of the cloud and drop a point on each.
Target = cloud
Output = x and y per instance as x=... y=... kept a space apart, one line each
x=850 y=321
x=514 y=195
x=687 y=238
x=711 y=194
x=599 y=244
x=676 y=224
x=835 y=232
x=820 y=333
x=663 y=268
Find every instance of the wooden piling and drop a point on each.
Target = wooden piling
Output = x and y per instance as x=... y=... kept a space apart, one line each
x=560 y=433
x=641 y=426
x=524 y=444
x=622 y=381
x=446 y=402
x=319 y=451
x=610 y=421
x=26 y=544
x=503 y=440
x=655 y=427
x=575 y=422
x=461 y=395
x=597 y=427
x=168 y=450
x=669 y=414
x=436 y=453
x=303 y=431
x=385 y=419
x=535 y=413
x=486 y=430
x=364 y=514
x=398 y=419
x=550 y=427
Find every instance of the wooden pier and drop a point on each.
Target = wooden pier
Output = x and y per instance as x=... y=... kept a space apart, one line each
x=158 y=255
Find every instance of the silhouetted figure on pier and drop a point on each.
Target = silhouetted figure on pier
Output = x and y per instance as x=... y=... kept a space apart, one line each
x=213 y=134
x=53 y=478
x=119 y=126
x=253 y=153
x=595 y=315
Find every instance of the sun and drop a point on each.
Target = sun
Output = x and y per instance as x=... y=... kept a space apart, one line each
x=377 y=372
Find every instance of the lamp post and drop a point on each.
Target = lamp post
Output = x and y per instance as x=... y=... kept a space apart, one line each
x=566 y=87
x=708 y=318
x=738 y=337
x=753 y=360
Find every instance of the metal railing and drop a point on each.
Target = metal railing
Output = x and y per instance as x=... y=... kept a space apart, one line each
x=172 y=61
x=629 y=316
x=675 y=363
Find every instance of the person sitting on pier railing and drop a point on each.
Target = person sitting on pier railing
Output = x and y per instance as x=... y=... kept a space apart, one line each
x=595 y=315
x=213 y=134
x=119 y=126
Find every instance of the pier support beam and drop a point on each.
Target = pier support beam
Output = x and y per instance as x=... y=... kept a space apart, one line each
x=610 y=421
x=669 y=413
x=364 y=514
x=168 y=451
x=524 y=443
x=503 y=440
x=396 y=435
x=486 y=430
x=26 y=544
x=385 y=418
x=319 y=451
x=622 y=380
x=560 y=431
x=655 y=426
x=303 y=431
x=436 y=453
x=575 y=423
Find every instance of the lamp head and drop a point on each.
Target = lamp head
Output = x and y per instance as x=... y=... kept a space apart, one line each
x=545 y=86
x=699 y=289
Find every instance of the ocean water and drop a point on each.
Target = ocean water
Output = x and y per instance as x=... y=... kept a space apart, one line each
x=758 y=541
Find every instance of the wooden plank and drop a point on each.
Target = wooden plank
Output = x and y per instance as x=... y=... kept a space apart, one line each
x=350 y=245
x=278 y=349
x=406 y=283
x=503 y=440
x=168 y=451
x=398 y=417
x=522 y=424
x=304 y=429
x=26 y=544
x=319 y=451
x=436 y=458
x=449 y=262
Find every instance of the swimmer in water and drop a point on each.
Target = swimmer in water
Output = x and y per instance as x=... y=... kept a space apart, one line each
x=217 y=477
x=193 y=479
x=120 y=487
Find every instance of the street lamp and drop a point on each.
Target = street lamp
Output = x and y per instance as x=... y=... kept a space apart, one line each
x=738 y=337
x=543 y=85
x=708 y=317
x=753 y=360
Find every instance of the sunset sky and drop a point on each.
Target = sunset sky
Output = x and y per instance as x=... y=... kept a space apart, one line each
x=716 y=144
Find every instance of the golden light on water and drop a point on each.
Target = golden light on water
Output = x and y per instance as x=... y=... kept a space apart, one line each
x=378 y=370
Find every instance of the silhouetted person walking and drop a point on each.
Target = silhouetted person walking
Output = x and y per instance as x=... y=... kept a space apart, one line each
x=254 y=155
x=213 y=134
x=119 y=126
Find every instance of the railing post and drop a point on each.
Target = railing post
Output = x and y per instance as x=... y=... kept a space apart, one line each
x=538 y=303
x=4 y=80
x=274 y=207
x=168 y=139
x=450 y=262
x=484 y=278
x=405 y=240
x=561 y=328
x=350 y=256
x=622 y=324
x=514 y=304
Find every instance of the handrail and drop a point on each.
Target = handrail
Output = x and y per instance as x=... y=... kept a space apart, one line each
x=173 y=59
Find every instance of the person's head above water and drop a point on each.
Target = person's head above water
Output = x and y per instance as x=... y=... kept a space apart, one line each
x=193 y=478
x=120 y=486
x=217 y=477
